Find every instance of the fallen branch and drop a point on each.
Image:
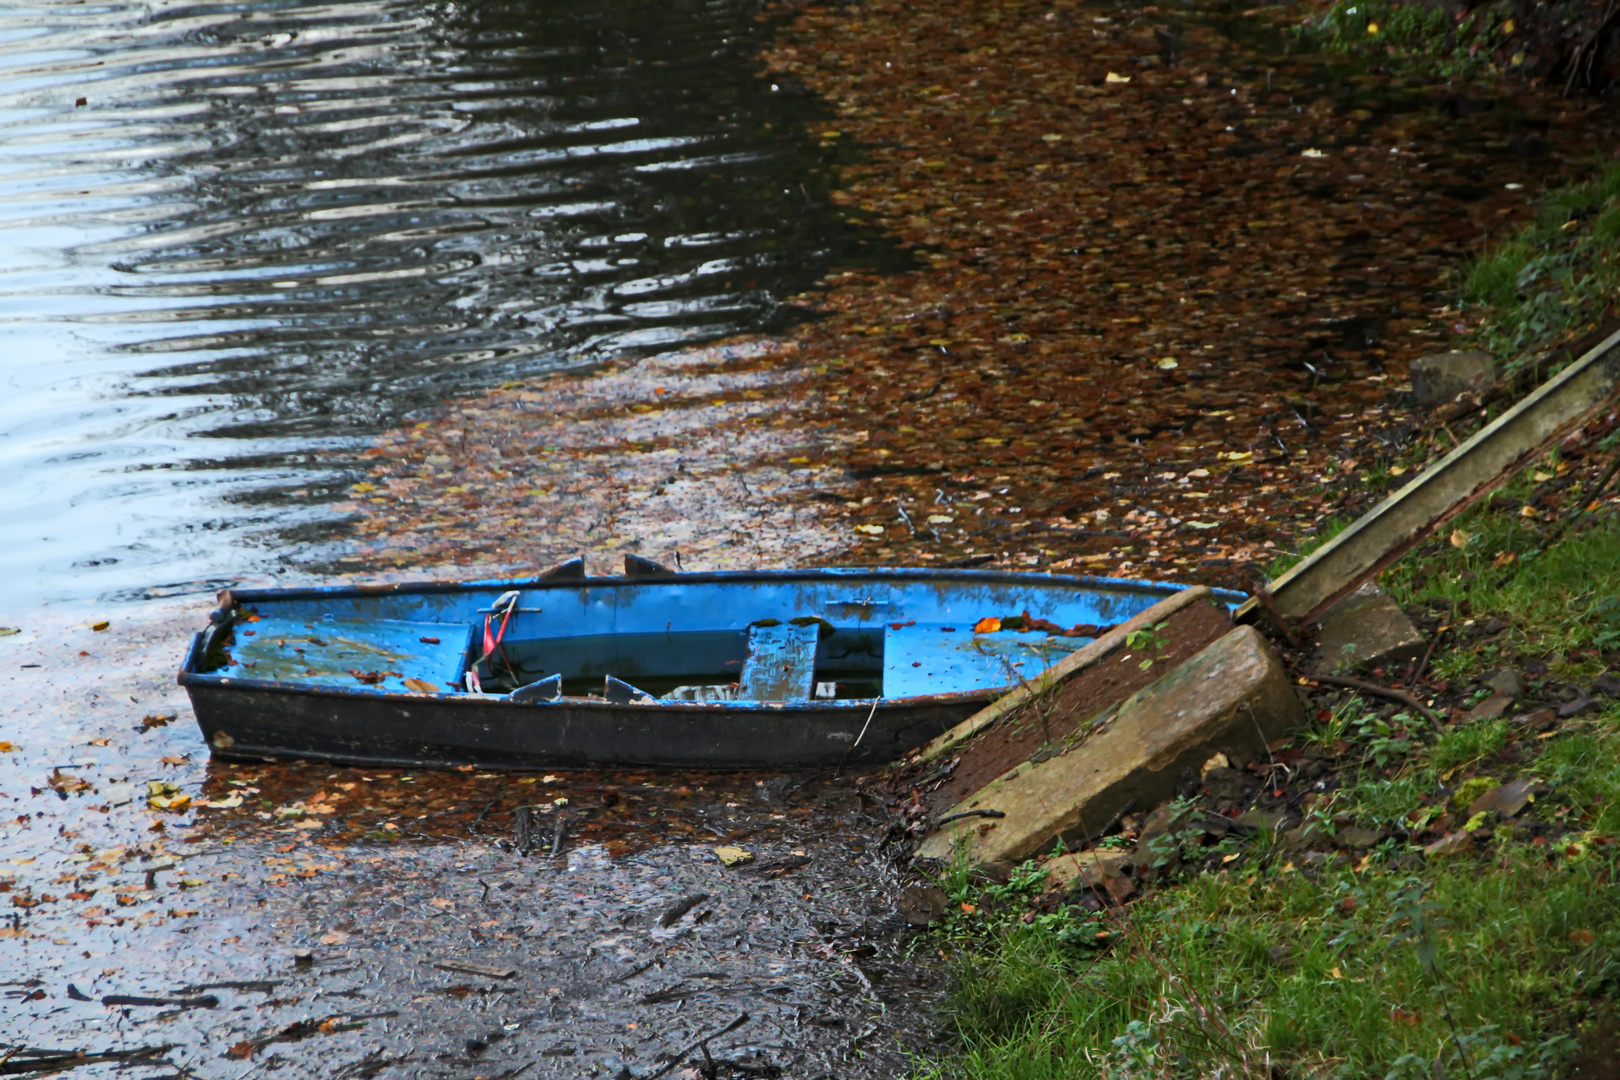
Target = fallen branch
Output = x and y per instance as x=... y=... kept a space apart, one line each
x=703 y=1042
x=20 y=1062
x=1375 y=690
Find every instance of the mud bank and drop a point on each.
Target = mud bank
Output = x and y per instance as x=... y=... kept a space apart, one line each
x=342 y=922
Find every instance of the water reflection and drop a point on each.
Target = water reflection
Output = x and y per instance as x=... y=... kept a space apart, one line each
x=276 y=229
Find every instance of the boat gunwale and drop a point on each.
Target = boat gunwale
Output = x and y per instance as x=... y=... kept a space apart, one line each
x=702 y=577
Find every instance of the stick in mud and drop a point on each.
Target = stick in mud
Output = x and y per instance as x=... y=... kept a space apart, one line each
x=1375 y=690
x=681 y=907
x=675 y=1062
x=204 y=1001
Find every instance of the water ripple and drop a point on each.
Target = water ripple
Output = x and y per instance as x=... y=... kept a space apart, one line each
x=235 y=241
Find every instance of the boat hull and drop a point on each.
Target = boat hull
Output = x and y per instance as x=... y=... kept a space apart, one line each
x=256 y=722
x=280 y=696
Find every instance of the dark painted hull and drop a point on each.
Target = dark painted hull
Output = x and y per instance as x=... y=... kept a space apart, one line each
x=248 y=722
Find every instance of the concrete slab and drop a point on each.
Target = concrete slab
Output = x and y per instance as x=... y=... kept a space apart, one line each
x=1086 y=657
x=1038 y=719
x=1439 y=378
x=1366 y=629
x=1086 y=869
x=1232 y=697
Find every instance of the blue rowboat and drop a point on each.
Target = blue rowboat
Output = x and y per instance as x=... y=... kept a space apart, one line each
x=774 y=669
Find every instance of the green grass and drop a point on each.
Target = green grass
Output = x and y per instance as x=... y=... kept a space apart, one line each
x=1561 y=601
x=1412 y=38
x=1555 y=278
x=1489 y=963
x=1374 y=971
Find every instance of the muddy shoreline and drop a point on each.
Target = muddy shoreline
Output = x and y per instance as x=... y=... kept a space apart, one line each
x=348 y=922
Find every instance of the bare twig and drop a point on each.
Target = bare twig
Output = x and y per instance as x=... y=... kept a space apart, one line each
x=1377 y=691
x=674 y=1062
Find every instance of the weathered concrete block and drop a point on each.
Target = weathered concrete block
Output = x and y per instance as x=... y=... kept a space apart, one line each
x=1086 y=868
x=1440 y=378
x=1366 y=629
x=1089 y=656
x=1232 y=697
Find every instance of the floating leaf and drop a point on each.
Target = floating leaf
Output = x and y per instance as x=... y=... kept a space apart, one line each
x=987 y=625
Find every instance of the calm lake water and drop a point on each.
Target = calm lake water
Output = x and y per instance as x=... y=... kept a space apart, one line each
x=237 y=238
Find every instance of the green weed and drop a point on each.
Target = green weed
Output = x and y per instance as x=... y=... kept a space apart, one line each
x=1351 y=973
x=1558 y=276
x=1411 y=37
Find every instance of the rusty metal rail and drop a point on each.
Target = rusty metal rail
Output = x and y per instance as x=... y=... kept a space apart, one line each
x=1444 y=490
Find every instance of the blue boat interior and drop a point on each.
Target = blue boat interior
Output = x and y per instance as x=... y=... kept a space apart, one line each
x=814 y=636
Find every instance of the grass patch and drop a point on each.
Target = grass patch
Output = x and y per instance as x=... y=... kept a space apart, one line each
x=1554 y=590
x=1327 y=954
x=1402 y=36
x=1558 y=277
x=1371 y=971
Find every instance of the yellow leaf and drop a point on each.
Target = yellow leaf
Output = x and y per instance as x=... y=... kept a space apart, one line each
x=733 y=856
x=363 y=487
x=1507 y=27
x=987 y=625
x=422 y=686
x=1459 y=539
x=1372 y=28
x=1166 y=363
x=1051 y=137
x=1113 y=78
x=1312 y=152
x=870 y=530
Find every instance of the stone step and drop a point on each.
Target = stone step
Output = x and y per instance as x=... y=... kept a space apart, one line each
x=1233 y=697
